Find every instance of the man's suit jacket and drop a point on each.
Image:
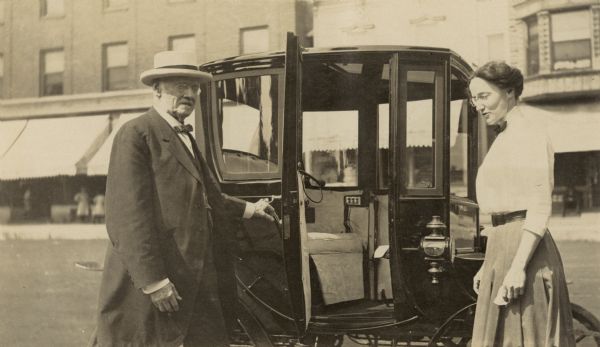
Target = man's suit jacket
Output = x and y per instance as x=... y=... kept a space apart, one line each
x=158 y=217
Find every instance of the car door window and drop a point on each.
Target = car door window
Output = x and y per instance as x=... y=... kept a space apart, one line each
x=246 y=126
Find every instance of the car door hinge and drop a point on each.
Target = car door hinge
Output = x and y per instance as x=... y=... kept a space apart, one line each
x=286 y=227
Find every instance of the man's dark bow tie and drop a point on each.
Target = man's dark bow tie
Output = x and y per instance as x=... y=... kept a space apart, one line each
x=500 y=127
x=185 y=128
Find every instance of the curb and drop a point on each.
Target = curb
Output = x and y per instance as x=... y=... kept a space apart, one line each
x=579 y=228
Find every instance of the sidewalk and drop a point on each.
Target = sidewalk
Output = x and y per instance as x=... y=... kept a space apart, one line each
x=74 y=231
x=585 y=227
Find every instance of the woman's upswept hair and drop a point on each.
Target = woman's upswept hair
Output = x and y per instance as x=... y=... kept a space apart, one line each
x=501 y=75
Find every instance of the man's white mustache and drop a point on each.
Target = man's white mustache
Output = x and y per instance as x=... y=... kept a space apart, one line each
x=186 y=101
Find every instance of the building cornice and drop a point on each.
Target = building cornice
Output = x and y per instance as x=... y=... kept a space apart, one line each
x=75 y=105
x=526 y=8
x=562 y=85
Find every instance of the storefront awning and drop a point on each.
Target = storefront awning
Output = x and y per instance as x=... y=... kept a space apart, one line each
x=98 y=165
x=572 y=127
x=49 y=147
x=9 y=133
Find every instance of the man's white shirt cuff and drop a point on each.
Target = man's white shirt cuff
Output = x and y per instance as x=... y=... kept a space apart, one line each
x=249 y=210
x=152 y=287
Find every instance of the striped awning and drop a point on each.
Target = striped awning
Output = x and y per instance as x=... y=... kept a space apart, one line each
x=98 y=164
x=50 y=147
x=572 y=127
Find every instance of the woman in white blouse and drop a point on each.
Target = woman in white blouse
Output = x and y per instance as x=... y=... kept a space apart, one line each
x=522 y=292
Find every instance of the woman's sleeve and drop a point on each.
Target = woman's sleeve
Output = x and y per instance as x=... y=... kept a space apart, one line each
x=540 y=181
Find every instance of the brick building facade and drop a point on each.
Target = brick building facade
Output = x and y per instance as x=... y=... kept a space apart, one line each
x=81 y=34
x=69 y=78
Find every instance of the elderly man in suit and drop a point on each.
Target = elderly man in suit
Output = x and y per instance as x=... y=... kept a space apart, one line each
x=159 y=286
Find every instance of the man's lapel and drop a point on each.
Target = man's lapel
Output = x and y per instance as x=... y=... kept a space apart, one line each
x=175 y=145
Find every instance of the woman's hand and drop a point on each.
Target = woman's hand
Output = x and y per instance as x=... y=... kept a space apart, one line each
x=512 y=287
x=477 y=280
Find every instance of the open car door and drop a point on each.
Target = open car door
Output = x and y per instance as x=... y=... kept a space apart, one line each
x=252 y=143
x=294 y=222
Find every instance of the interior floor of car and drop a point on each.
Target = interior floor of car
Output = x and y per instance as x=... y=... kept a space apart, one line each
x=370 y=308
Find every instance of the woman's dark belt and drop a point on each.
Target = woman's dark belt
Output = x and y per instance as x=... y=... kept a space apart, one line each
x=503 y=218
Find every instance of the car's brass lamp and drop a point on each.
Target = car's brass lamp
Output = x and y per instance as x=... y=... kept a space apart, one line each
x=435 y=245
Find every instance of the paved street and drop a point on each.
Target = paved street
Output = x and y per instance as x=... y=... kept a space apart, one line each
x=581 y=261
x=41 y=274
x=578 y=238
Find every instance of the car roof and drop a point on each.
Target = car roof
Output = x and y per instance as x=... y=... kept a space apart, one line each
x=277 y=55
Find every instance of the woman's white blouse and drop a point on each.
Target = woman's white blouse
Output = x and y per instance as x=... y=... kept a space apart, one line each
x=518 y=171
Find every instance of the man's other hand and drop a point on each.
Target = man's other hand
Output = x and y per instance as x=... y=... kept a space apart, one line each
x=165 y=299
x=262 y=209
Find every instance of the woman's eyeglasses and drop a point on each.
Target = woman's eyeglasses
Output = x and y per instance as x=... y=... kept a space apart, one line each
x=478 y=99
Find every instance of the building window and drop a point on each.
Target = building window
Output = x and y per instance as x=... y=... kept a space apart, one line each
x=52 y=70
x=53 y=8
x=571 y=40
x=533 y=48
x=116 y=4
x=116 y=57
x=254 y=40
x=182 y=43
x=1 y=73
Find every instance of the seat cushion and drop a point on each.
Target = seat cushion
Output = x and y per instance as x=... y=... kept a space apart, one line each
x=339 y=262
x=340 y=276
x=323 y=243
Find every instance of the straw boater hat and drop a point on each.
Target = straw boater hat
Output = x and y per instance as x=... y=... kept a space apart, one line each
x=172 y=64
